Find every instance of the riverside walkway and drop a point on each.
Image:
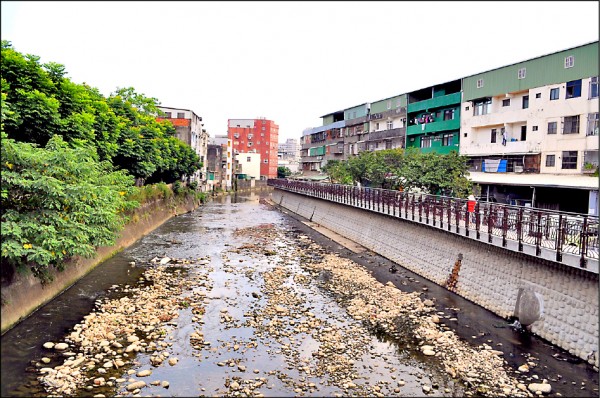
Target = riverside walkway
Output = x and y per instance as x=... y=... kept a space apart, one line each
x=562 y=237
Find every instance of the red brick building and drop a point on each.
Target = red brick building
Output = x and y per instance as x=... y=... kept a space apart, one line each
x=256 y=136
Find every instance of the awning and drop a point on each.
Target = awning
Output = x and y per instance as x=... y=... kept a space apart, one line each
x=537 y=180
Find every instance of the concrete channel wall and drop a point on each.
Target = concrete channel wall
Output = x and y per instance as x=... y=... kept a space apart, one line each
x=26 y=294
x=562 y=299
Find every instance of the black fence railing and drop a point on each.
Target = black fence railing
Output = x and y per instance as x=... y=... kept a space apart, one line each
x=560 y=232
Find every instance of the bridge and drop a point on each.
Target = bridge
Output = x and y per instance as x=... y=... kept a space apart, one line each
x=562 y=237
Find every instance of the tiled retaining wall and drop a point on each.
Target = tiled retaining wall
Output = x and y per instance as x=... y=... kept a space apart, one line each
x=489 y=276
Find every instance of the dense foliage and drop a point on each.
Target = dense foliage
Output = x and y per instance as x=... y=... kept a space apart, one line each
x=122 y=128
x=283 y=172
x=70 y=158
x=409 y=170
x=58 y=202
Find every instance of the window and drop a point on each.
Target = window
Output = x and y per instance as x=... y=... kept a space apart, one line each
x=354 y=115
x=447 y=139
x=180 y=115
x=521 y=73
x=534 y=128
x=569 y=160
x=592 y=128
x=390 y=124
x=376 y=126
x=554 y=93
x=266 y=161
x=389 y=104
x=250 y=144
x=571 y=125
x=168 y=115
x=250 y=136
x=479 y=83
x=493 y=136
x=426 y=142
x=449 y=114
x=506 y=102
x=550 y=160
x=569 y=61
x=552 y=128
x=248 y=159
x=594 y=87
x=573 y=89
x=538 y=95
x=525 y=101
x=523 y=133
x=398 y=103
x=263 y=128
x=482 y=106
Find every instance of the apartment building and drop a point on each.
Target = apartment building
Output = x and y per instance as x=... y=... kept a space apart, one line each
x=288 y=155
x=249 y=166
x=356 y=131
x=226 y=160
x=433 y=115
x=315 y=141
x=530 y=130
x=190 y=130
x=387 y=124
x=256 y=136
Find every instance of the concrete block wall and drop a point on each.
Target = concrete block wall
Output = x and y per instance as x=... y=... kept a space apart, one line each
x=489 y=276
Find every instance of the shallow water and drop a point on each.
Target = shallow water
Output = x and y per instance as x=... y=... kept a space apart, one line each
x=210 y=232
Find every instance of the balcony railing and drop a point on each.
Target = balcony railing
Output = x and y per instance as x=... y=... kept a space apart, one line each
x=543 y=233
x=392 y=133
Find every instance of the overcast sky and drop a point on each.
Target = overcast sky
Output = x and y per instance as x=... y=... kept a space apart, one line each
x=291 y=62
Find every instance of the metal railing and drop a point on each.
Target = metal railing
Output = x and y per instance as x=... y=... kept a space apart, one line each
x=561 y=232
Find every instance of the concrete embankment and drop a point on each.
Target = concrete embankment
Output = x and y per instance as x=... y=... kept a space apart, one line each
x=25 y=294
x=563 y=301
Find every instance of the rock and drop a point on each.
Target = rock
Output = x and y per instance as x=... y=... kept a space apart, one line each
x=49 y=345
x=165 y=260
x=132 y=339
x=165 y=384
x=135 y=385
x=144 y=373
x=173 y=361
x=541 y=387
x=46 y=360
x=523 y=369
x=61 y=346
x=428 y=303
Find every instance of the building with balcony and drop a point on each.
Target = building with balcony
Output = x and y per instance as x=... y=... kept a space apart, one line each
x=256 y=136
x=356 y=130
x=219 y=163
x=433 y=115
x=320 y=144
x=387 y=124
x=538 y=118
x=190 y=130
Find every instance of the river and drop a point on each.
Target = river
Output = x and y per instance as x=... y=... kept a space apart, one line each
x=237 y=245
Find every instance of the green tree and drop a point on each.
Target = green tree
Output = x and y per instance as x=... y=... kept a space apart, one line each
x=58 y=202
x=148 y=148
x=283 y=172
